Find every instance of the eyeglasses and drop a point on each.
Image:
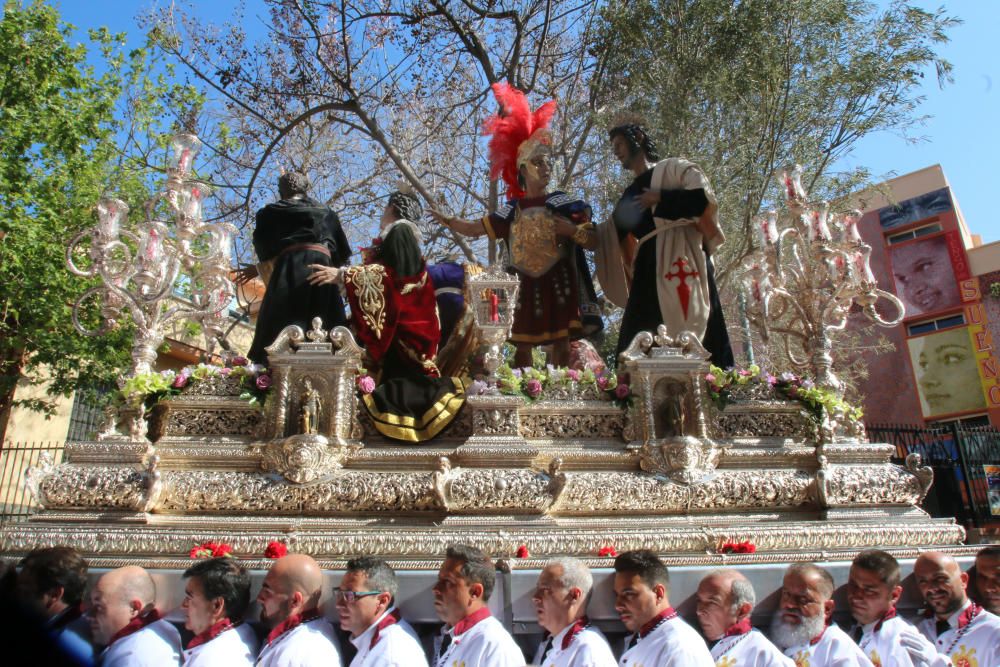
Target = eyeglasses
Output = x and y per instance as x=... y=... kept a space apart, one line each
x=350 y=597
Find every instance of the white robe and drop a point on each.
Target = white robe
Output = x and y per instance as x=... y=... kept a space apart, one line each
x=981 y=642
x=236 y=647
x=156 y=645
x=588 y=648
x=834 y=649
x=398 y=646
x=485 y=644
x=673 y=643
x=752 y=649
x=309 y=644
x=883 y=647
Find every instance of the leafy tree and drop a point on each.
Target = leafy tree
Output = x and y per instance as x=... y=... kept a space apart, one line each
x=746 y=87
x=59 y=153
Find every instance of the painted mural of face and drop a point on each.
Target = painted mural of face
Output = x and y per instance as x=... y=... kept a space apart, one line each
x=924 y=276
x=947 y=374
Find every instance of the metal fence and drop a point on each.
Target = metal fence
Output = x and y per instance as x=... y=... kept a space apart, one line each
x=16 y=503
x=966 y=464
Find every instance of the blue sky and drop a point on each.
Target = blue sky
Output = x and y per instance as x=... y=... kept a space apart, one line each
x=961 y=135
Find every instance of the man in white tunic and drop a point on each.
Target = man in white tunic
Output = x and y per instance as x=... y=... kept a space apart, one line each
x=802 y=627
x=125 y=621
x=216 y=597
x=660 y=638
x=988 y=579
x=872 y=592
x=561 y=597
x=300 y=636
x=960 y=629
x=366 y=605
x=471 y=637
x=725 y=601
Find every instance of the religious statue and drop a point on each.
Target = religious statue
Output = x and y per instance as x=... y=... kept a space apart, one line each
x=394 y=316
x=655 y=259
x=546 y=232
x=309 y=407
x=290 y=235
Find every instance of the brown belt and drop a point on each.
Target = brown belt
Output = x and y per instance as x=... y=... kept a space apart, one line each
x=322 y=249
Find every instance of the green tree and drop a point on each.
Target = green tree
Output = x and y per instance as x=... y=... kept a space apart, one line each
x=58 y=154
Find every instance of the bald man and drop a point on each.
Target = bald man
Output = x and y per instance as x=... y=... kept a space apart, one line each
x=960 y=630
x=802 y=627
x=725 y=601
x=300 y=636
x=124 y=620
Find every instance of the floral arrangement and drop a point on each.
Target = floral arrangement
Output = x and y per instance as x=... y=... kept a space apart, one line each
x=737 y=548
x=787 y=385
x=522 y=551
x=147 y=389
x=275 y=550
x=608 y=552
x=211 y=550
x=533 y=382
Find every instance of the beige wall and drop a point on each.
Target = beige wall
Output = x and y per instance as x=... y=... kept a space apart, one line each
x=29 y=426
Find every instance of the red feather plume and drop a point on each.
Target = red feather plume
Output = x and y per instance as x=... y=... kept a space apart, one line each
x=511 y=128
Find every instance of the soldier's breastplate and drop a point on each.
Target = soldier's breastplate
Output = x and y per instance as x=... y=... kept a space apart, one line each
x=534 y=246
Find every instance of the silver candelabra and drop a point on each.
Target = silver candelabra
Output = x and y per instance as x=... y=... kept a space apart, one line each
x=808 y=270
x=140 y=268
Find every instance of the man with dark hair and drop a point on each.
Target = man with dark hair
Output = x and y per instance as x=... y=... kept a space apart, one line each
x=124 y=619
x=51 y=583
x=960 y=630
x=471 y=637
x=659 y=636
x=655 y=260
x=988 y=578
x=366 y=604
x=725 y=601
x=216 y=597
x=289 y=598
x=802 y=627
x=291 y=234
x=872 y=592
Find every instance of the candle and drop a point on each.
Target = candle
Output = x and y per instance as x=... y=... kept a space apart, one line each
x=110 y=213
x=819 y=229
x=494 y=307
x=771 y=226
x=851 y=221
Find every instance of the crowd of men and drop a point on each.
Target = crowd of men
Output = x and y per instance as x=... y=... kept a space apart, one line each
x=122 y=627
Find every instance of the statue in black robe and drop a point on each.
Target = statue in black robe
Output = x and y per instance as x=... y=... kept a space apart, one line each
x=290 y=235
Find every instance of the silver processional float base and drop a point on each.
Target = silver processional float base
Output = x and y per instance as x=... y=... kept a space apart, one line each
x=571 y=474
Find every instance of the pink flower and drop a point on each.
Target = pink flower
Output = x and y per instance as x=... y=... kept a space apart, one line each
x=602 y=382
x=622 y=391
x=573 y=374
x=239 y=361
x=275 y=550
x=710 y=378
x=522 y=551
x=533 y=388
x=224 y=372
x=366 y=384
x=180 y=381
x=263 y=382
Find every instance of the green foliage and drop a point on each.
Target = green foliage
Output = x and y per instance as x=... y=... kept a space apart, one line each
x=62 y=123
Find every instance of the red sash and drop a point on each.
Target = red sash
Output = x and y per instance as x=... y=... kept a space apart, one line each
x=291 y=623
x=211 y=633
x=136 y=624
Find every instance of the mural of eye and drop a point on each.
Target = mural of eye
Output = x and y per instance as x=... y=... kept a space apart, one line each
x=915 y=209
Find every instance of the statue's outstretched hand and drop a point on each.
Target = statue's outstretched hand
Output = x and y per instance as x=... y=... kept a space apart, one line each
x=323 y=275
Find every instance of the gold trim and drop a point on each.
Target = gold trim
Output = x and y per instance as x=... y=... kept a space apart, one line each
x=403 y=428
x=369 y=281
x=489 y=228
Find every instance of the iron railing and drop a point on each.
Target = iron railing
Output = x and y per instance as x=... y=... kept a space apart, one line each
x=965 y=460
x=16 y=502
